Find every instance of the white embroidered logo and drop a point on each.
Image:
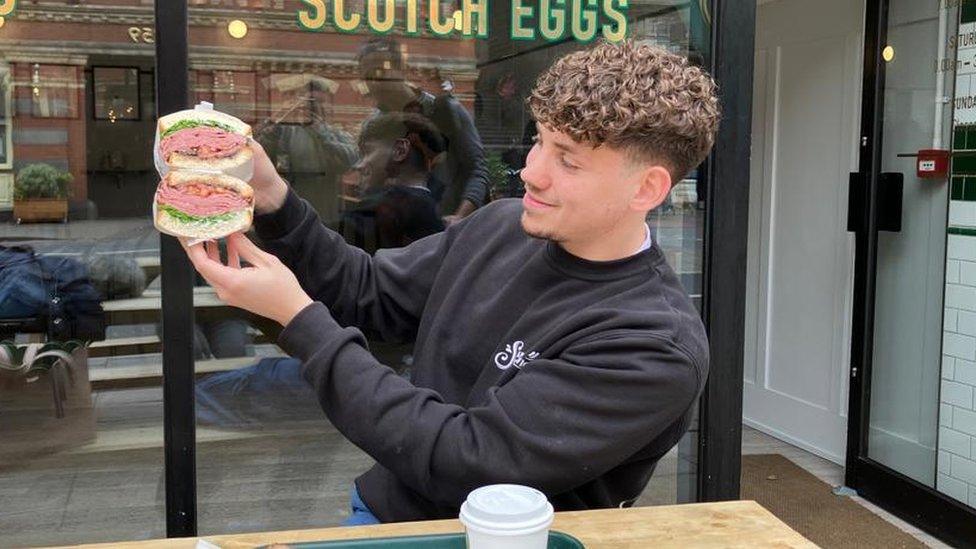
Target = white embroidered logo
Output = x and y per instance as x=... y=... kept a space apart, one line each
x=513 y=355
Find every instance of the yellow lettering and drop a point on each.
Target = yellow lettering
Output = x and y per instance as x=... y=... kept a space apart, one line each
x=438 y=26
x=382 y=25
x=314 y=18
x=587 y=32
x=7 y=7
x=552 y=22
x=134 y=33
x=345 y=23
x=520 y=12
x=472 y=9
x=413 y=13
x=616 y=31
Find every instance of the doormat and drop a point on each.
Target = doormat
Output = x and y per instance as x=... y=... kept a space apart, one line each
x=808 y=505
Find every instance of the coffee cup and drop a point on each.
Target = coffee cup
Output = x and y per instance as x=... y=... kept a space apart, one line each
x=506 y=516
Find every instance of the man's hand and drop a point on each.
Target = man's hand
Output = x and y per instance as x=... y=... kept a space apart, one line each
x=266 y=287
x=270 y=190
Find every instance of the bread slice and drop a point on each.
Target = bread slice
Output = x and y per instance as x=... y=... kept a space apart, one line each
x=225 y=164
x=178 y=179
x=236 y=124
x=238 y=221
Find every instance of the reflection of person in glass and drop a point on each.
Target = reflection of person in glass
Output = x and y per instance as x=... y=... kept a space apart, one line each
x=555 y=347
x=396 y=151
x=463 y=172
x=314 y=154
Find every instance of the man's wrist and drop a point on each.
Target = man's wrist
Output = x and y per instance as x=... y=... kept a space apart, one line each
x=289 y=312
x=465 y=209
x=271 y=199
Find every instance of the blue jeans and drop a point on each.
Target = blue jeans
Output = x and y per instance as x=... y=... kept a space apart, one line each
x=361 y=515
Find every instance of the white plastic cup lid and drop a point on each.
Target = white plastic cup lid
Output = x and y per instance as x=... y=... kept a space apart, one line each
x=504 y=507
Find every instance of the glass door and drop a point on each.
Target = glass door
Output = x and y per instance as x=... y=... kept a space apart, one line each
x=908 y=448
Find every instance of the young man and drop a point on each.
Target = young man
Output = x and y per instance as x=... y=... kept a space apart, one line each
x=396 y=207
x=554 y=345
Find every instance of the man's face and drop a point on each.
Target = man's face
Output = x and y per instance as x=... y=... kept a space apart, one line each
x=382 y=79
x=374 y=163
x=319 y=104
x=575 y=193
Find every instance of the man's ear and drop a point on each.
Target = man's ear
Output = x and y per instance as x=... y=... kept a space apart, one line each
x=653 y=188
x=401 y=149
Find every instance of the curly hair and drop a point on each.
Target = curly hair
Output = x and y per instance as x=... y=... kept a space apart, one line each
x=637 y=98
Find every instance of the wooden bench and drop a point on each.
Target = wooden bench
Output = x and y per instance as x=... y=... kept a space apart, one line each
x=147 y=309
x=151 y=373
x=146 y=344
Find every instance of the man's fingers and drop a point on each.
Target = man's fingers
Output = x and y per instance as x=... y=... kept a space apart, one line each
x=195 y=253
x=233 y=257
x=247 y=250
x=213 y=250
x=216 y=274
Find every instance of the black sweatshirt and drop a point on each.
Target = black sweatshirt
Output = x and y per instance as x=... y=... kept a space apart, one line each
x=531 y=366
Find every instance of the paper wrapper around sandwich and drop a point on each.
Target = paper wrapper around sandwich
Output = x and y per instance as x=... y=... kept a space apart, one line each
x=244 y=172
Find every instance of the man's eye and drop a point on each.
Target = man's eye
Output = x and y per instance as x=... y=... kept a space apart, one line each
x=562 y=160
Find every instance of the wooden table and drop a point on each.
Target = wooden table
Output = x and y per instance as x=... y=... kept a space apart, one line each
x=727 y=524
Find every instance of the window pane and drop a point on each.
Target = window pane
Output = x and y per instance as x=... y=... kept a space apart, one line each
x=81 y=456
x=321 y=104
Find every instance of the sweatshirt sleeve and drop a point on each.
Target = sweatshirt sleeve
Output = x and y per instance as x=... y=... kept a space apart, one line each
x=385 y=293
x=555 y=424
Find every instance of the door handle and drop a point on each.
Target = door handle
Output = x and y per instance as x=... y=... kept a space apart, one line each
x=891 y=187
x=856 y=203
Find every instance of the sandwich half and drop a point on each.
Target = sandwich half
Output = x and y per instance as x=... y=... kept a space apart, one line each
x=203 y=205
x=204 y=139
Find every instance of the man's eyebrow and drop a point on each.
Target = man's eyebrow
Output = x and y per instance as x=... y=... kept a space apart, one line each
x=561 y=146
x=565 y=147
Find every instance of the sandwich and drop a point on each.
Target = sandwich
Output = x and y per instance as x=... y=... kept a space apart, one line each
x=201 y=205
x=204 y=140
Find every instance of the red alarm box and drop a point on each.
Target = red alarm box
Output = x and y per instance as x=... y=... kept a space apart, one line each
x=932 y=164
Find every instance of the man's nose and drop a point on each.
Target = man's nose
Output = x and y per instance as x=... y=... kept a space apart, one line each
x=533 y=175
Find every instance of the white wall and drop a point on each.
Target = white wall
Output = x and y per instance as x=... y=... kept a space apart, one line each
x=957 y=410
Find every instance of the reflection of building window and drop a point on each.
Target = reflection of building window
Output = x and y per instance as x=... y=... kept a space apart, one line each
x=116 y=91
x=6 y=131
x=234 y=93
x=53 y=90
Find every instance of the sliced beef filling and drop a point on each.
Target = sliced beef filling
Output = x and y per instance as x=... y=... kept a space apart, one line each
x=202 y=142
x=200 y=200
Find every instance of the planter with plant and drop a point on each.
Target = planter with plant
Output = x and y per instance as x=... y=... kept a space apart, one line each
x=502 y=180
x=41 y=194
